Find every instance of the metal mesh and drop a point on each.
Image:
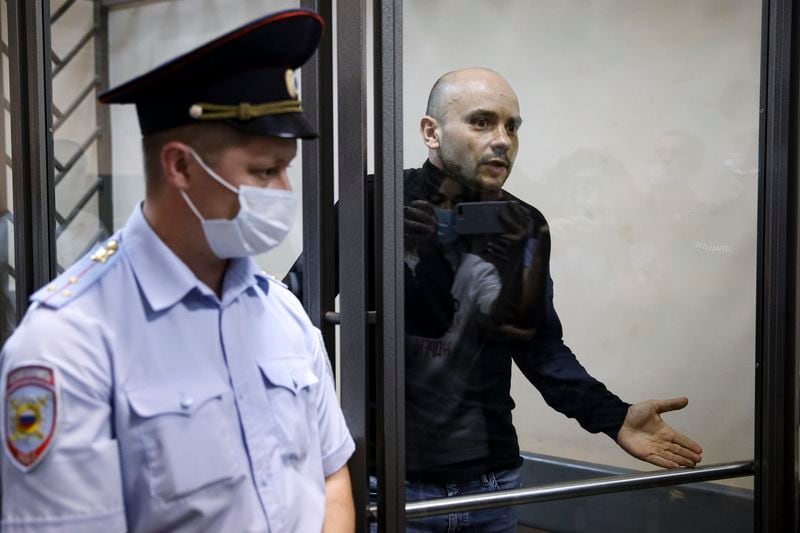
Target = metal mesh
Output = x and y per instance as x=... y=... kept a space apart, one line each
x=7 y=278
x=82 y=187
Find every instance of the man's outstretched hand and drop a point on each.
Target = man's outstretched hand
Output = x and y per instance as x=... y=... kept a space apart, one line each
x=646 y=436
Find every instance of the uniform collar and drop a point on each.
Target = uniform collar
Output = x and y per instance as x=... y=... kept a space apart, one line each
x=164 y=278
x=241 y=274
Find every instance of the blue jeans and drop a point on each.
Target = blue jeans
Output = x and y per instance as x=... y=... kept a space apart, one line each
x=500 y=520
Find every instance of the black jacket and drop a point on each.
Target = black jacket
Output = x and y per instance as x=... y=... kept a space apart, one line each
x=458 y=402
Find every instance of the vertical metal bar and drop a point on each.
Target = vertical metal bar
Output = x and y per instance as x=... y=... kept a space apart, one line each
x=760 y=275
x=389 y=236
x=319 y=230
x=44 y=222
x=5 y=208
x=793 y=373
x=103 y=116
x=353 y=278
x=776 y=373
x=32 y=146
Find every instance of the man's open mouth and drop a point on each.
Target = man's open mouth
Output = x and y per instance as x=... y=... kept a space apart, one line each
x=496 y=164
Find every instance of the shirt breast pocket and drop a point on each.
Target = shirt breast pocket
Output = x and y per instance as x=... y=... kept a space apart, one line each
x=290 y=383
x=186 y=433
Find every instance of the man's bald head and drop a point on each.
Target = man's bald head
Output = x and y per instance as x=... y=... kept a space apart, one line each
x=450 y=86
x=470 y=128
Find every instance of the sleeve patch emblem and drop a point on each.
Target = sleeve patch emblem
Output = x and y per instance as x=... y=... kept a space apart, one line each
x=31 y=414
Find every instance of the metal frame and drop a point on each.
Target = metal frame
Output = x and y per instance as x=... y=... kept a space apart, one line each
x=4 y=110
x=776 y=445
x=388 y=200
x=5 y=202
x=352 y=142
x=32 y=147
x=575 y=489
x=128 y=3
x=319 y=236
x=103 y=117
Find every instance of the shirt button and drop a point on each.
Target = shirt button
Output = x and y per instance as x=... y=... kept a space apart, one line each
x=186 y=402
x=263 y=482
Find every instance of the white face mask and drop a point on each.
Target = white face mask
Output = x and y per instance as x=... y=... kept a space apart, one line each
x=264 y=219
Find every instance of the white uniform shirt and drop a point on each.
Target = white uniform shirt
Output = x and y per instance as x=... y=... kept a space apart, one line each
x=178 y=411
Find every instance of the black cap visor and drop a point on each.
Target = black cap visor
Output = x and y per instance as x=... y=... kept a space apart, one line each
x=286 y=125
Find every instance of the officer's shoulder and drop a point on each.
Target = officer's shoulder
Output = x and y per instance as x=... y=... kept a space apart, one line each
x=275 y=288
x=81 y=276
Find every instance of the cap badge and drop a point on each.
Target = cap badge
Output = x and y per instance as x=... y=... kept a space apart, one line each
x=291 y=84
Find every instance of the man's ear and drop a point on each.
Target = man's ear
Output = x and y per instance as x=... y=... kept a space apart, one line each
x=174 y=159
x=429 y=129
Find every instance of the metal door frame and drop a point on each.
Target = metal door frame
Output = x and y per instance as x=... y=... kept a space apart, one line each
x=776 y=414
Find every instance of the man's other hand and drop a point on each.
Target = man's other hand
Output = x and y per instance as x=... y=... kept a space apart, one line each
x=419 y=223
x=646 y=436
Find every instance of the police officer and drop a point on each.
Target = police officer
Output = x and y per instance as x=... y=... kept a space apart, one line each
x=164 y=383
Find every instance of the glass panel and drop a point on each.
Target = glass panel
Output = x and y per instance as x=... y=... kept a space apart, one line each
x=639 y=146
x=7 y=285
x=78 y=138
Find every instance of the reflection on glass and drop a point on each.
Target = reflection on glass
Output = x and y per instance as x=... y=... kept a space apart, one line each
x=650 y=193
x=83 y=214
x=7 y=285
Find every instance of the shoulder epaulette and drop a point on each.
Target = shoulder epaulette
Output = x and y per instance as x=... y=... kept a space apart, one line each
x=79 y=277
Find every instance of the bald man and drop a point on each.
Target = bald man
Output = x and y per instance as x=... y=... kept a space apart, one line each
x=460 y=437
x=479 y=295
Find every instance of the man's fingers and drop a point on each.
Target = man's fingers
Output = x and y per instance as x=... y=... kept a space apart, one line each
x=418 y=228
x=518 y=212
x=419 y=215
x=687 y=443
x=423 y=205
x=678 y=458
x=515 y=219
x=673 y=404
x=543 y=244
x=660 y=461
x=677 y=449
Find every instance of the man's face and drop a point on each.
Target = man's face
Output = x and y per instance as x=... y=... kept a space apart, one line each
x=478 y=134
x=259 y=162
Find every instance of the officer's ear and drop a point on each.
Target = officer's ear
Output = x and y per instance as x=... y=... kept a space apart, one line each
x=174 y=158
x=429 y=129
